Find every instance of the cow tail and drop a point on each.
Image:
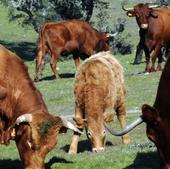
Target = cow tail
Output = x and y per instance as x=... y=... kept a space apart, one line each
x=40 y=58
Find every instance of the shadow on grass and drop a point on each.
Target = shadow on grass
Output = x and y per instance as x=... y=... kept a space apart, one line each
x=83 y=146
x=25 y=50
x=148 y=160
x=56 y=160
x=11 y=164
x=62 y=75
x=17 y=164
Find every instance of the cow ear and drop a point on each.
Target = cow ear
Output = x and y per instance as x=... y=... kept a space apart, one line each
x=153 y=14
x=130 y=13
x=108 y=117
x=150 y=114
x=80 y=122
x=3 y=92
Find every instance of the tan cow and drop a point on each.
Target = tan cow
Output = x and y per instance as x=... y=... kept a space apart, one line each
x=24 y=116
x=100 y=93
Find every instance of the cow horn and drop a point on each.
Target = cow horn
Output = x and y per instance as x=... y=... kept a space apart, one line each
x=69 y=125
x=154 y=5
x=128 y=128
x=126 y=9
x=111 y=34
x=24 y=118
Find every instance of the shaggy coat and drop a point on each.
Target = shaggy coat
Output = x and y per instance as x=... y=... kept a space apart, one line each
x=100 y=94
x=68 y=37
x=19 y=96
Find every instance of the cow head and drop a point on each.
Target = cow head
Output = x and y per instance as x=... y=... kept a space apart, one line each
x=103 y=43
x=95 y=131
x=142 y=12
x=157 y=130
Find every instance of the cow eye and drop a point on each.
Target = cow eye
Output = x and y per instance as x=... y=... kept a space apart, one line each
x=104 y=132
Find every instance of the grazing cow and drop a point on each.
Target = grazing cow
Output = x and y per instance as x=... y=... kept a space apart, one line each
x=100 y=93
x=157 y=119
x=23 y=114
x=154 y=31
x=68 y=37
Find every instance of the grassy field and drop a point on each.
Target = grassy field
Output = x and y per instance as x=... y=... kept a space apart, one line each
x=58 y=95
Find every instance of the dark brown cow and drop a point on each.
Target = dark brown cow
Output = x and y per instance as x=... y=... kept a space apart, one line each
x=157 y=119
x=100 y=94
x=23 y=114
x=72 y=36
x=154 y=28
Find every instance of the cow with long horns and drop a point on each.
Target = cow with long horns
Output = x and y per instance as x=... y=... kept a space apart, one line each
x=154 y=28
x=157 y=119
x=23 y=114
x=100 y=94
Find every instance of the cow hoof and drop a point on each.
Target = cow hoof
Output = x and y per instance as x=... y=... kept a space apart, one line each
x=36 y=80
x=72 y=152
x=126 y=139
x=146 y=73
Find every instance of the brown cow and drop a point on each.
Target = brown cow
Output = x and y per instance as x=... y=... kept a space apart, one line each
x=100 y=93
x=157 y=119
x=23 y=113
x=72 y=36
x=155 y=30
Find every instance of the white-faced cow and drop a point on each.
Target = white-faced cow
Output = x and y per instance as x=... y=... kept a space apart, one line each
x=23 y=114
x=68 y=37
x=100 y=94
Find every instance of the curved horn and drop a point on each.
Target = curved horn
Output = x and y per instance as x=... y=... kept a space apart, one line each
x=24 y=118
x=154 y=5
x=125 y=9
x=111 y=34
x=69 y=125
x=127 y=129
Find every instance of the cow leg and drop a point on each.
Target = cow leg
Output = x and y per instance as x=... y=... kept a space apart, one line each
x=53 y=66
x=76 y=136
x=160 y=60
x=39 y=59
x=76 y=60
x=154 y=56
x=139 y=53
x=147 y=56
x=122 y=119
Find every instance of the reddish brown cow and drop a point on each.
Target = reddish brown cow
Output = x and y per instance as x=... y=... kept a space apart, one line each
x=155 y=30
x=72 y=36
x=23 y=114
x=100 y=94
x=157 y=119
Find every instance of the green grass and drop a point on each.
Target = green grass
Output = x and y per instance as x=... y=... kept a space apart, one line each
x=58 y=95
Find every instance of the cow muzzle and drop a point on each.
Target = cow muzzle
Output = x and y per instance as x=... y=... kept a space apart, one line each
x=144 y=26
x=97 y=150
x=127 y=129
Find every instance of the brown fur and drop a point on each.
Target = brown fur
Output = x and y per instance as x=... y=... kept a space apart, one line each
x=156 y=35
x=18 y=96
x=99 y=92
x=157 y=118
x=72 y=36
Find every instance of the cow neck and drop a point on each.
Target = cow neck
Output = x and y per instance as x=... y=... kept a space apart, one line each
x=163 y=92
x=30 y=100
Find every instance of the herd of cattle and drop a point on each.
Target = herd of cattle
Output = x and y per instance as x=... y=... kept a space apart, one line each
x=99 y=89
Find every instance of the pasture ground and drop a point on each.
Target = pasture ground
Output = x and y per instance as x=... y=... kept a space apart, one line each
x=58 y=95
